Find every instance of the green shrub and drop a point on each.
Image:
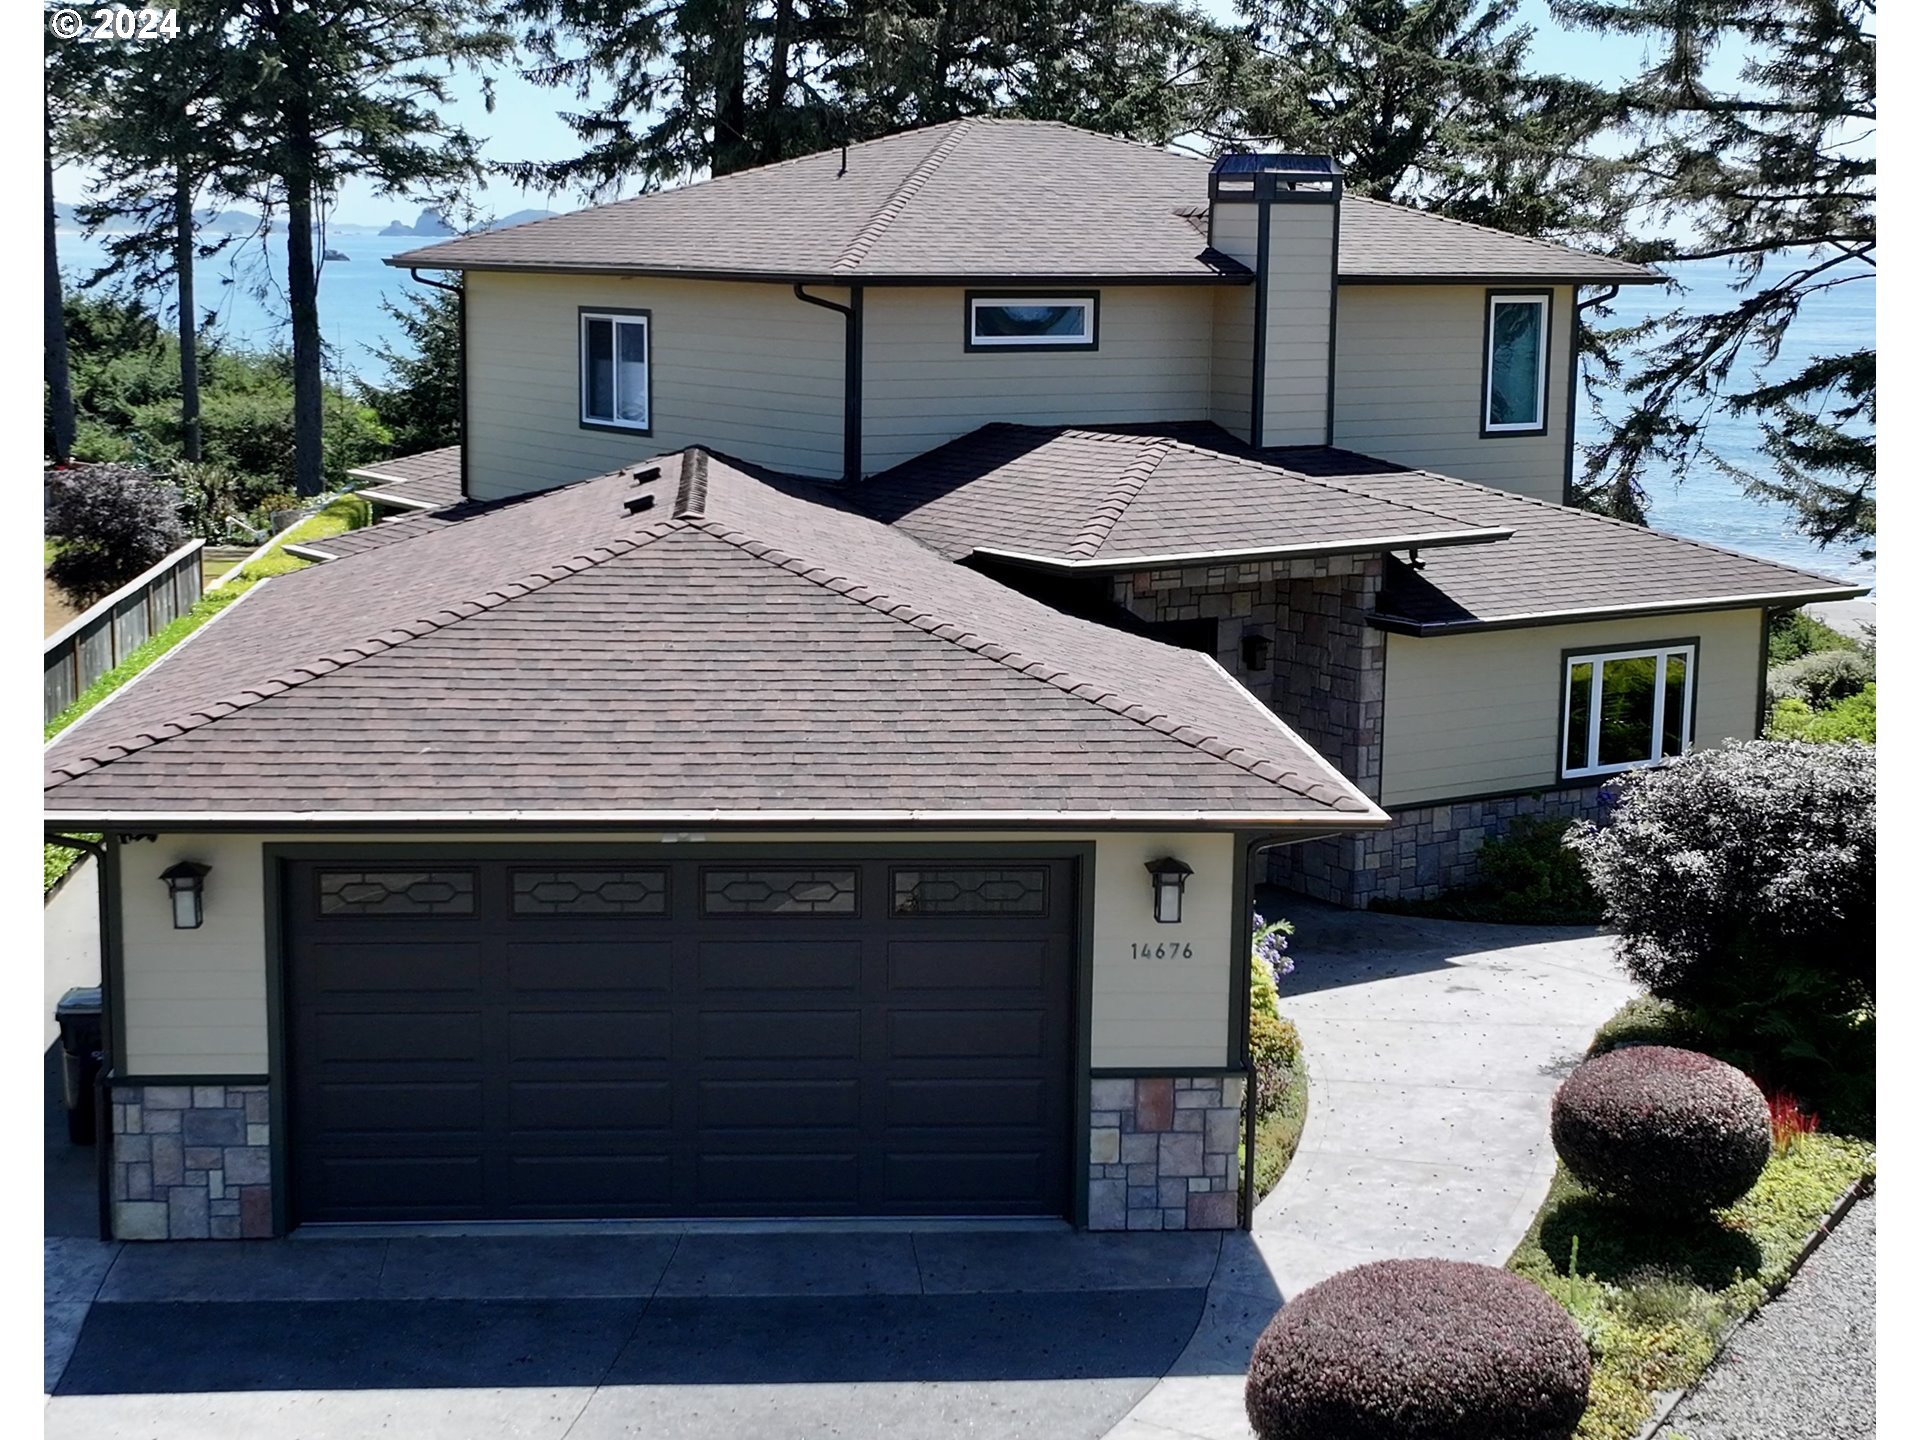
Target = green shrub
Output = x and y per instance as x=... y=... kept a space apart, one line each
x=1275 y=1044
x=1528 y=876
x=1793 y=633
x=1743 y=875
x=1419 y=1350
x=1664 y=1131
x=1821 y=679
x=1850 y=719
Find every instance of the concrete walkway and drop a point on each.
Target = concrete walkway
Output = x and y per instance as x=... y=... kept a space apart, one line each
x=1433 y=1050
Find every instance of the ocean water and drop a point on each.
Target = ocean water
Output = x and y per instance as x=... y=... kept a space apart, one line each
x=247 y=290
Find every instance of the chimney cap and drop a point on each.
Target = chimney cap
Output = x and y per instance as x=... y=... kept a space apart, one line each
x=1303 y=166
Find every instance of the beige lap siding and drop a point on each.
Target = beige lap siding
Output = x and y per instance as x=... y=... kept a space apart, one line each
x=1409 y=365
x=742 y=368
x=195 y=1000
x=1480 y=714
x=921 y=387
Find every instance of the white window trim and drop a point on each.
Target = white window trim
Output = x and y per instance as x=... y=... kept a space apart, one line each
x=1086 y=341
x=645 y=322
x=1542 y=303
x=1597 y=659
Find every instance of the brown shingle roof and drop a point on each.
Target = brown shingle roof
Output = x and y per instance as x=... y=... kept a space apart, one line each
x=980 y=199
x=1119 y=497
x=747 y=647
x=424 y=481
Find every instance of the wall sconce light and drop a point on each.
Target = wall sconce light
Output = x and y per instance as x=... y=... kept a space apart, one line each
x=186 y=882
x=1169 y=884
x=1255 y=649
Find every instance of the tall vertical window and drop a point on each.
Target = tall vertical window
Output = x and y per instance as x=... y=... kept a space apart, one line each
x=1515 y=402
x=615 y=385
x=1627 y=707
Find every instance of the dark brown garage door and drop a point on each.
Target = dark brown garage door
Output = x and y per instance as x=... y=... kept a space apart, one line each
x=553 y=1038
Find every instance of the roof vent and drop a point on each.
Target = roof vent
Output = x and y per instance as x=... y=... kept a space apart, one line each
x=636 y=503
x=1246 y=177
x=641 y=477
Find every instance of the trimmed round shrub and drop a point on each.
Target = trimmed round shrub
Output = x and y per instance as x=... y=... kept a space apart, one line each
x=1419 y=1350
x=1662 y=1129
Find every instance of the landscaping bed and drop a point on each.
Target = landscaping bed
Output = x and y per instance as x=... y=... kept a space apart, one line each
x=1655 y=1299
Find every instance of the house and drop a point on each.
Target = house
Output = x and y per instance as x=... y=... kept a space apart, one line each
x=894 y=606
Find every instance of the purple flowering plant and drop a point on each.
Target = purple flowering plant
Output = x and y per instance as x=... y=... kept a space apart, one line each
x=1270 y=944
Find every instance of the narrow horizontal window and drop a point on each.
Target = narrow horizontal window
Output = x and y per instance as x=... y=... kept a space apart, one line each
x=1627 y=708
x=589 y=892
x=1044 y=322
x=965 y=890
x=1516 y=388
x=780 y=892
x=396 y=892
x=615 y=382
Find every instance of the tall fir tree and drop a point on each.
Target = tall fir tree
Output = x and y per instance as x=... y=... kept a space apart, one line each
x=1426 y=102
x=1769 y=172
x=420 y=402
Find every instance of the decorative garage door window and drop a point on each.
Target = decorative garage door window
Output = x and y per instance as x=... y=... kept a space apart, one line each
x=589 y=892
x=396 y=892
x=781 y=892
x=970 y=891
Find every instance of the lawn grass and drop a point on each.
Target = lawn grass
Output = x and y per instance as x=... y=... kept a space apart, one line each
x=348 y=512
x=1654 y=1299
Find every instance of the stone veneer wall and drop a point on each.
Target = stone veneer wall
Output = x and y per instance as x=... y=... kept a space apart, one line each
x=1164 y=1154
x=1326 y=673
x=1427 y=849
x=191 y=1162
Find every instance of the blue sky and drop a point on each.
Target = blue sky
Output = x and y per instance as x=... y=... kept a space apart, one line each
x=525 y=124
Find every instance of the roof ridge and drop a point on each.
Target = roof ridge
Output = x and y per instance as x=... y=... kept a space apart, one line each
x=1126 y=488
x=868 y=235
x=1261 y=767
x=691 y=503
x=1558 y=245
x=307 y=670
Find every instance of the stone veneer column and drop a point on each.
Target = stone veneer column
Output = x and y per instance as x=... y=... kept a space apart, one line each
x=191 y=1162
x=1164 y=1154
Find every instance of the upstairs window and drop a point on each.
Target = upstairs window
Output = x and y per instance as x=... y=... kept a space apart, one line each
x=1627 y=707
x=1515 y=402
x=1032 y=322
x=615 y=379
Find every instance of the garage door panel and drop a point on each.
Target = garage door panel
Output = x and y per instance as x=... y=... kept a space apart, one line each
x=340 y=970
x=759 y=1179
x=589 y=1184
x=360 y=1036
x=777 y=1102
x=591 y=1104
x=352 y=1187
x=586 y=1035
x=1018 y=967
x=590 y=965
x=966 y=1104
x=818 y=1039
x=966 y=1034
x=416 y=1108
x=755 y=966
x=1010 y=1177
x=780 y=1035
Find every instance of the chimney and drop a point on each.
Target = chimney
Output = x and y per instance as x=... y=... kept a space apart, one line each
x=1279 y=215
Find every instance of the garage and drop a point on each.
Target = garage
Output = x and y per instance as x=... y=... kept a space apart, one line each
x=573 y=1036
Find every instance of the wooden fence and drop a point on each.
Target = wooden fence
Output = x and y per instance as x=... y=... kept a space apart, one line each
x=89 y=646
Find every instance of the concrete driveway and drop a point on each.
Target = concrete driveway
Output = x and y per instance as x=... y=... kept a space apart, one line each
x=1433 y=1049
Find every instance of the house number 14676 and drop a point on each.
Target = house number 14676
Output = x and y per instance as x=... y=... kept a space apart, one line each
x=1165 y=950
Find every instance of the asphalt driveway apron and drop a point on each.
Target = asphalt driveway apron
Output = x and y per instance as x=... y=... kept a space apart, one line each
x=924 y=1333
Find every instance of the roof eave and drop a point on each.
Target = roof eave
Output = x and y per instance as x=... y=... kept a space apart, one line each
x=1250 y=554
x=833 y=278
x=1533 y=277
x=1401 y=625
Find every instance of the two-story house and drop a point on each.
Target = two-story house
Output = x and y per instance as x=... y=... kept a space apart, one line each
x=809 y=749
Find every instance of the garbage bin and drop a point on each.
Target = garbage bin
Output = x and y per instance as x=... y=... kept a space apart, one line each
x=80 y=1045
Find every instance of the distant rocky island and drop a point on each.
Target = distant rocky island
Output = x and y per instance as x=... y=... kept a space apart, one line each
x=431 y=224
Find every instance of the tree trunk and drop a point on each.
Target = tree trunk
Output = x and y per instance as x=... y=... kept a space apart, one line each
x=59 y=382
x=303 y=299
x=773 y=132
x=733 y=147
x=189 y=351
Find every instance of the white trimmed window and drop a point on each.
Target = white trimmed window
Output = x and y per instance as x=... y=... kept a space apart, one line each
x=1515 y=397
x=1032 y=322
x=615 y=380
x=1627 y=707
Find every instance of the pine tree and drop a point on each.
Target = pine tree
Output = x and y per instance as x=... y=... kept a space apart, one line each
x=1772 y=174
x=420 y=404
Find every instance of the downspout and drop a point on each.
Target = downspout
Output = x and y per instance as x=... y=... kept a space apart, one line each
x=460 y=291
x=102 y=1109
x=1573 y=376
x=855 y=313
